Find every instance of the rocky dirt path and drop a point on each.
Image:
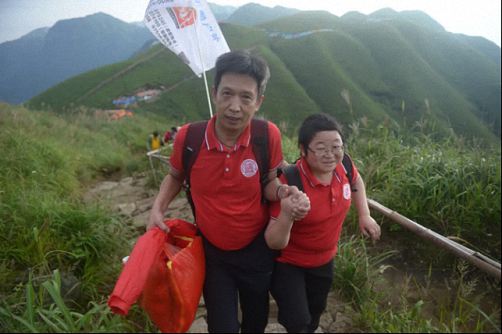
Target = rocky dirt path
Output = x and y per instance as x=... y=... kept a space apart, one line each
x=132 y=199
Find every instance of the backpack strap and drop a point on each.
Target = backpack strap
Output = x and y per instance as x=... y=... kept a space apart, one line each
x=259 y=140
x=347 y=164
x=292 y=175
x=191 y=148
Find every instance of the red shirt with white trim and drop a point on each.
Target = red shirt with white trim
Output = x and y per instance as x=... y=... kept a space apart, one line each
x=314 y=239
x=225 y=186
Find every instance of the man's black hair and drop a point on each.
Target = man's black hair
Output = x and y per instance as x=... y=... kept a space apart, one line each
x=314 y=124
x=243 y=62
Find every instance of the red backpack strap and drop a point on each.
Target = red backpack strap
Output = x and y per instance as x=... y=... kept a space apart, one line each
x=191 y=148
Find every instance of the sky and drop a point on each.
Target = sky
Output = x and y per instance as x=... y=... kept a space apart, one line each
x=469 y=17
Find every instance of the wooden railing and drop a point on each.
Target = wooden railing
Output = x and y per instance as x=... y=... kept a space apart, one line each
x=481 y=261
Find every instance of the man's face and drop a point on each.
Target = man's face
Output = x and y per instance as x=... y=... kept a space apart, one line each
x=236 y=101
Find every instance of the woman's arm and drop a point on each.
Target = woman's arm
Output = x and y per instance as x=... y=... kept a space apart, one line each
x=367 y=224
x=279 y=229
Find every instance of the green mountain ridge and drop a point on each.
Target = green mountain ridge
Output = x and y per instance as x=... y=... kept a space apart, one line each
x=387 y=66
x=253 y=14
x=221 y=13
x=47 y=56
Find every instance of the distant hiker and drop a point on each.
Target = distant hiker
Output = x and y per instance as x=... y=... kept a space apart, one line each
x=170 y=135
x=154 y=141
x=303 y=273
x=227 y=182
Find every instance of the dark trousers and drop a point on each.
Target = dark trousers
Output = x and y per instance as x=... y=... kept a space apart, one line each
x=243 y=275
x=301 y=295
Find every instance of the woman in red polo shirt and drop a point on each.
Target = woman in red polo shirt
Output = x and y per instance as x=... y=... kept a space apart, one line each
x=303 y=274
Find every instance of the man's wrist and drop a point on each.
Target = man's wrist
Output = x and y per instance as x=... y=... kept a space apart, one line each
x=278 y=192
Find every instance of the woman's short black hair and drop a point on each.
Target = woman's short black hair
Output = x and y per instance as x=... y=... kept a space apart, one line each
x=243 y=62
x=316 y=123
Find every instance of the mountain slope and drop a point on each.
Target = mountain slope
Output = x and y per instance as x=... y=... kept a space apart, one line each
x=221 y=13
x=458 y=79
x=395 y=68
x=45 y=57
x=252 y=14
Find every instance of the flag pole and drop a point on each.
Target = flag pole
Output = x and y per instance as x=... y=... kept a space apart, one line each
x=202 y=67
x=207 y=89
x=167 y=20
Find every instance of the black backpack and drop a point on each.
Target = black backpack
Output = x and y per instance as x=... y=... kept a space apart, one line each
x=195 y=137
x=292 y=173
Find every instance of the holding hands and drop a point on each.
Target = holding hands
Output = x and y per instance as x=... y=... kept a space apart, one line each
x=294 y=203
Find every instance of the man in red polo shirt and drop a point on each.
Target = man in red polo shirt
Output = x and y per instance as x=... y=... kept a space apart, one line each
x=226 y=191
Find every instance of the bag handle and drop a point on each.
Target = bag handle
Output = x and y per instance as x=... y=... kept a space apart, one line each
x=171 y=250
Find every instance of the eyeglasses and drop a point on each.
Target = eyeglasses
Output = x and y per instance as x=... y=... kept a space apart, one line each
x=320 y=151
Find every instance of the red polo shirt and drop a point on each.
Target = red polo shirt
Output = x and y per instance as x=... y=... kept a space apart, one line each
x=314 y=240
x=225 y=186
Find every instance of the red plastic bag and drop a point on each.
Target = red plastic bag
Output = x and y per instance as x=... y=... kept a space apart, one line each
x=129 y=286
x=174 y=285
x=168 y=270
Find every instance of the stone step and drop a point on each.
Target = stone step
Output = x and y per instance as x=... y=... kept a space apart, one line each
x=336 y=318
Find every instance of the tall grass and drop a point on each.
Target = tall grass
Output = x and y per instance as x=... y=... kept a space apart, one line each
x=456 y=305
x=45 y=225
x=356 y=272
x=45 y=310
x=450 y=185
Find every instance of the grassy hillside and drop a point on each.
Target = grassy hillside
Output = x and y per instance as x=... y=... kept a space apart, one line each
x=252 y=14
x=38 y=61
x=304 y=21
x=59 y=255
x=47 y=160
x=400 y=67
x=385 y=60
x=156 y=67
x=314 y=64
x=412 y=79
x=48 y=233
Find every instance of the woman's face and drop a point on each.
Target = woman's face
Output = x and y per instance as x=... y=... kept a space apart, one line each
x=324 y=152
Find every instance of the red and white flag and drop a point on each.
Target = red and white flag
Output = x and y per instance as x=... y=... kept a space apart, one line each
x=189 y=29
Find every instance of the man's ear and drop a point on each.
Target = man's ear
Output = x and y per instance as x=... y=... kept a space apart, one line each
x=213 y=92
x=260 y=100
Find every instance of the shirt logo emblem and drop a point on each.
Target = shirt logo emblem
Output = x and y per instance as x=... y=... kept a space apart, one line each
x=249 y=167
x=346 y=191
